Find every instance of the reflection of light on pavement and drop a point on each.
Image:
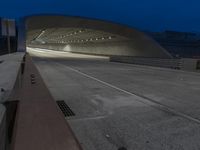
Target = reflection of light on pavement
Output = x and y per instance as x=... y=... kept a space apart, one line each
x=59 y=54
x=67 y=48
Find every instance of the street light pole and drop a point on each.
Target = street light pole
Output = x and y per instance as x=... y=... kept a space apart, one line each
x=8 y=36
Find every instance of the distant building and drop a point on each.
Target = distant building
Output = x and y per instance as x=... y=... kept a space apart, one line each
x=7 y=29
x=179 y=44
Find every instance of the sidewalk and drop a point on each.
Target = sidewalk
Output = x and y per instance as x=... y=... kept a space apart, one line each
x=9 y=67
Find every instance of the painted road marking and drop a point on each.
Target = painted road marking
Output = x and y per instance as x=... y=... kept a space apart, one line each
x=145 y=100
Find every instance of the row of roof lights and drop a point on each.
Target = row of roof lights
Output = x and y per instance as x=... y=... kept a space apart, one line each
x=87 y=40
x=70 y=34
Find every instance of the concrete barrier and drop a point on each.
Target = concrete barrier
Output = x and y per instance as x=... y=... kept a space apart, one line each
x=182 y=64
x=190 y=64
x=2 y=127
x=157 y=62
x=9 y=80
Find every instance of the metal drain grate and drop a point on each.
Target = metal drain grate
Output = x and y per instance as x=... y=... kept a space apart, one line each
x=65 y=108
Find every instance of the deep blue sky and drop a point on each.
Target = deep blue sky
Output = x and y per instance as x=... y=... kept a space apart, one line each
x=156 y=15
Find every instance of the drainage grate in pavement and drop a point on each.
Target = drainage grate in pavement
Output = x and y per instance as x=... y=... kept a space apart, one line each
x=122 y=148
x=65 y=108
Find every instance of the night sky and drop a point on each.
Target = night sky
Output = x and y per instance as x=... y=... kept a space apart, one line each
x=154 y=15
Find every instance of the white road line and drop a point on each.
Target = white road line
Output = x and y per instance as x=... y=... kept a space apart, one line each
x=145 y=100
x=86 y=118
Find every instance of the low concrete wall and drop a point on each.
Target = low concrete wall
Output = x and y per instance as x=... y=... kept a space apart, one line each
x=190 y=64
x=2 y=127
x=183 y=64
x=9 y=79
x=157 y=62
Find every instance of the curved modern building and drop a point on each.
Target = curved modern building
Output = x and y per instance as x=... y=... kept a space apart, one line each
x=89 y=36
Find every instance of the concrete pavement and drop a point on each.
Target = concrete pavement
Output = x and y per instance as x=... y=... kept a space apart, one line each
x=122 y=105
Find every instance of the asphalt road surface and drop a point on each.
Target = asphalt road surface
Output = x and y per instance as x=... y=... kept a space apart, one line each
x=123 y=105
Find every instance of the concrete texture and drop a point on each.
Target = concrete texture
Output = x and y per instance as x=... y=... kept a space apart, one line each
x=8 y=72
x=2 y=127
x=124 y=105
